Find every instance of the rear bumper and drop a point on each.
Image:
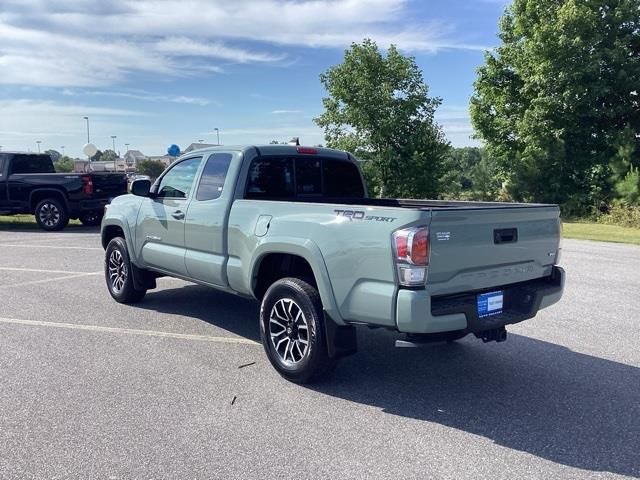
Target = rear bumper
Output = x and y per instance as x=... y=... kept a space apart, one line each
x=90 y=205
x=418 y=312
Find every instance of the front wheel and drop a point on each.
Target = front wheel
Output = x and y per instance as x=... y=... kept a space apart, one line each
x=51 y=215
x=291 y=327
x=117 y=273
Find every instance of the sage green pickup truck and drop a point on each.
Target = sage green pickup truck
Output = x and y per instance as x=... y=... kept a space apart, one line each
x=293 y=227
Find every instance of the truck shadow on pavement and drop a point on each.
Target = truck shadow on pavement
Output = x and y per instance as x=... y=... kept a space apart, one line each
x=524 y=394
x=234 y=314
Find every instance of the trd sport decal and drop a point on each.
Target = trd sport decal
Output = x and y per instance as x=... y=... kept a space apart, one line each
x=360 y=215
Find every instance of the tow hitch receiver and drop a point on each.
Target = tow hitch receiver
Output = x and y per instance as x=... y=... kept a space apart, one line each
x=493 y=335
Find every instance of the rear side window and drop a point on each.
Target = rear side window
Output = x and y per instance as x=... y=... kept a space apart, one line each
x=342 y=179
x=213 y=175
x=271 y=178
x=32 y=164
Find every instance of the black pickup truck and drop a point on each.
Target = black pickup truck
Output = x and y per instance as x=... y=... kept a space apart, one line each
x=29 y=184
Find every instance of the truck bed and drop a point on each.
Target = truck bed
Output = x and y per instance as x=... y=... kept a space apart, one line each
x=414 y=204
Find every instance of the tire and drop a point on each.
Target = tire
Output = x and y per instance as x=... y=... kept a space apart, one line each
x=291 y=313
x=117 y=273
x=91 y=219
x=51 y=214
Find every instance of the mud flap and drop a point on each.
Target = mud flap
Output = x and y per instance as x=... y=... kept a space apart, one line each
x=341 y=339
x=143 y=279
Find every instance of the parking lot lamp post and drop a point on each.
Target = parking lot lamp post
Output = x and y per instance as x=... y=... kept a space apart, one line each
x=88 y=139
x=218 y=134
x=38 y=142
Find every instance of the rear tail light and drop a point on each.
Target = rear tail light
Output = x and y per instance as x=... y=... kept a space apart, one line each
x=87 y=184
x=411 y=251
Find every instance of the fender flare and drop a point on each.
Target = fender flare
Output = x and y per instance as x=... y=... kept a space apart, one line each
x=307 y=249
x=58 y=192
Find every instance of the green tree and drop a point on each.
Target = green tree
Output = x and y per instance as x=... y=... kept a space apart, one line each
x=152 y=168
x=97 y=157
x=470 y=174
x=553 y=100
x=64 y=164
x=109 y=156
x=54 y=154
x=378 y=107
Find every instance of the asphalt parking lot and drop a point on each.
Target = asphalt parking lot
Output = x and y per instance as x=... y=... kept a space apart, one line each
x=177 y=387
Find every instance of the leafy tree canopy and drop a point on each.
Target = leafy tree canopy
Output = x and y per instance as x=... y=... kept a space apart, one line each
x=152 y=168
x=378 y=107
x=558 y=100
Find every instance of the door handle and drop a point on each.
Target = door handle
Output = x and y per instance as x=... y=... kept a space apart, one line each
x=178 y=215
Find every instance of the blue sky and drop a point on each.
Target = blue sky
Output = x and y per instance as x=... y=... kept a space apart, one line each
x=156 y=72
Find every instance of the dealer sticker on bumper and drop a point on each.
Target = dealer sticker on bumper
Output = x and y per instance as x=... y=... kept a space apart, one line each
x=490 y=303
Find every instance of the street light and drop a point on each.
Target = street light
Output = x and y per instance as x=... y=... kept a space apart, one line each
x=38 y=142
x=218 y=134
x=62 y=148
x=88 y=139
x=127 y=145
x=113 y=138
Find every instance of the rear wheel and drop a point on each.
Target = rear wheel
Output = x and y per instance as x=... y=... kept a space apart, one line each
x=292 y=330
x=117 y=273
x=91 y=219
x=51 y=214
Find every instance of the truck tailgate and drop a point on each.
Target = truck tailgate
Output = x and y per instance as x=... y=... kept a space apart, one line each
x=109 y=184
x=473 y=249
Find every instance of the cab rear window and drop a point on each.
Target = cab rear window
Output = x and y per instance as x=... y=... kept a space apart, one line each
x=32 y=164
x=280 y=178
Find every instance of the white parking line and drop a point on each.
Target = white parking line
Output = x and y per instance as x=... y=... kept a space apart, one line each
x=47 y=280
x=129 y=331
x=66 y=247
x=38 y=270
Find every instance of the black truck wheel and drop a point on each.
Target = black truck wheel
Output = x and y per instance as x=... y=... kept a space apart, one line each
x=117 y=273
x=51 y=214
x=291 y=327
x=91 y=219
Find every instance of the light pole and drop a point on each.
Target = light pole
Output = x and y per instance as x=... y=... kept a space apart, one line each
x=113 y=139
x=218 y=134
x=88 y=139
x=127 y=145
x=38 y=142
x=62 y=148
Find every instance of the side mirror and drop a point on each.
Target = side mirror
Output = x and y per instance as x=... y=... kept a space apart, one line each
x=141 y=188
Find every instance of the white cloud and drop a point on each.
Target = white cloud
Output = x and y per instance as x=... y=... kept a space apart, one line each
x=23 y=121
x=145 y=96
x=186 y=47
x=90 y=43
x=285 y=112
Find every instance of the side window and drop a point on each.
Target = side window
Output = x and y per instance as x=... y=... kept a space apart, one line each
x=213 y=175
x=342 y=179
x=270 y=178
x=31 y=164
x=178 y=181
x=308 y=176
